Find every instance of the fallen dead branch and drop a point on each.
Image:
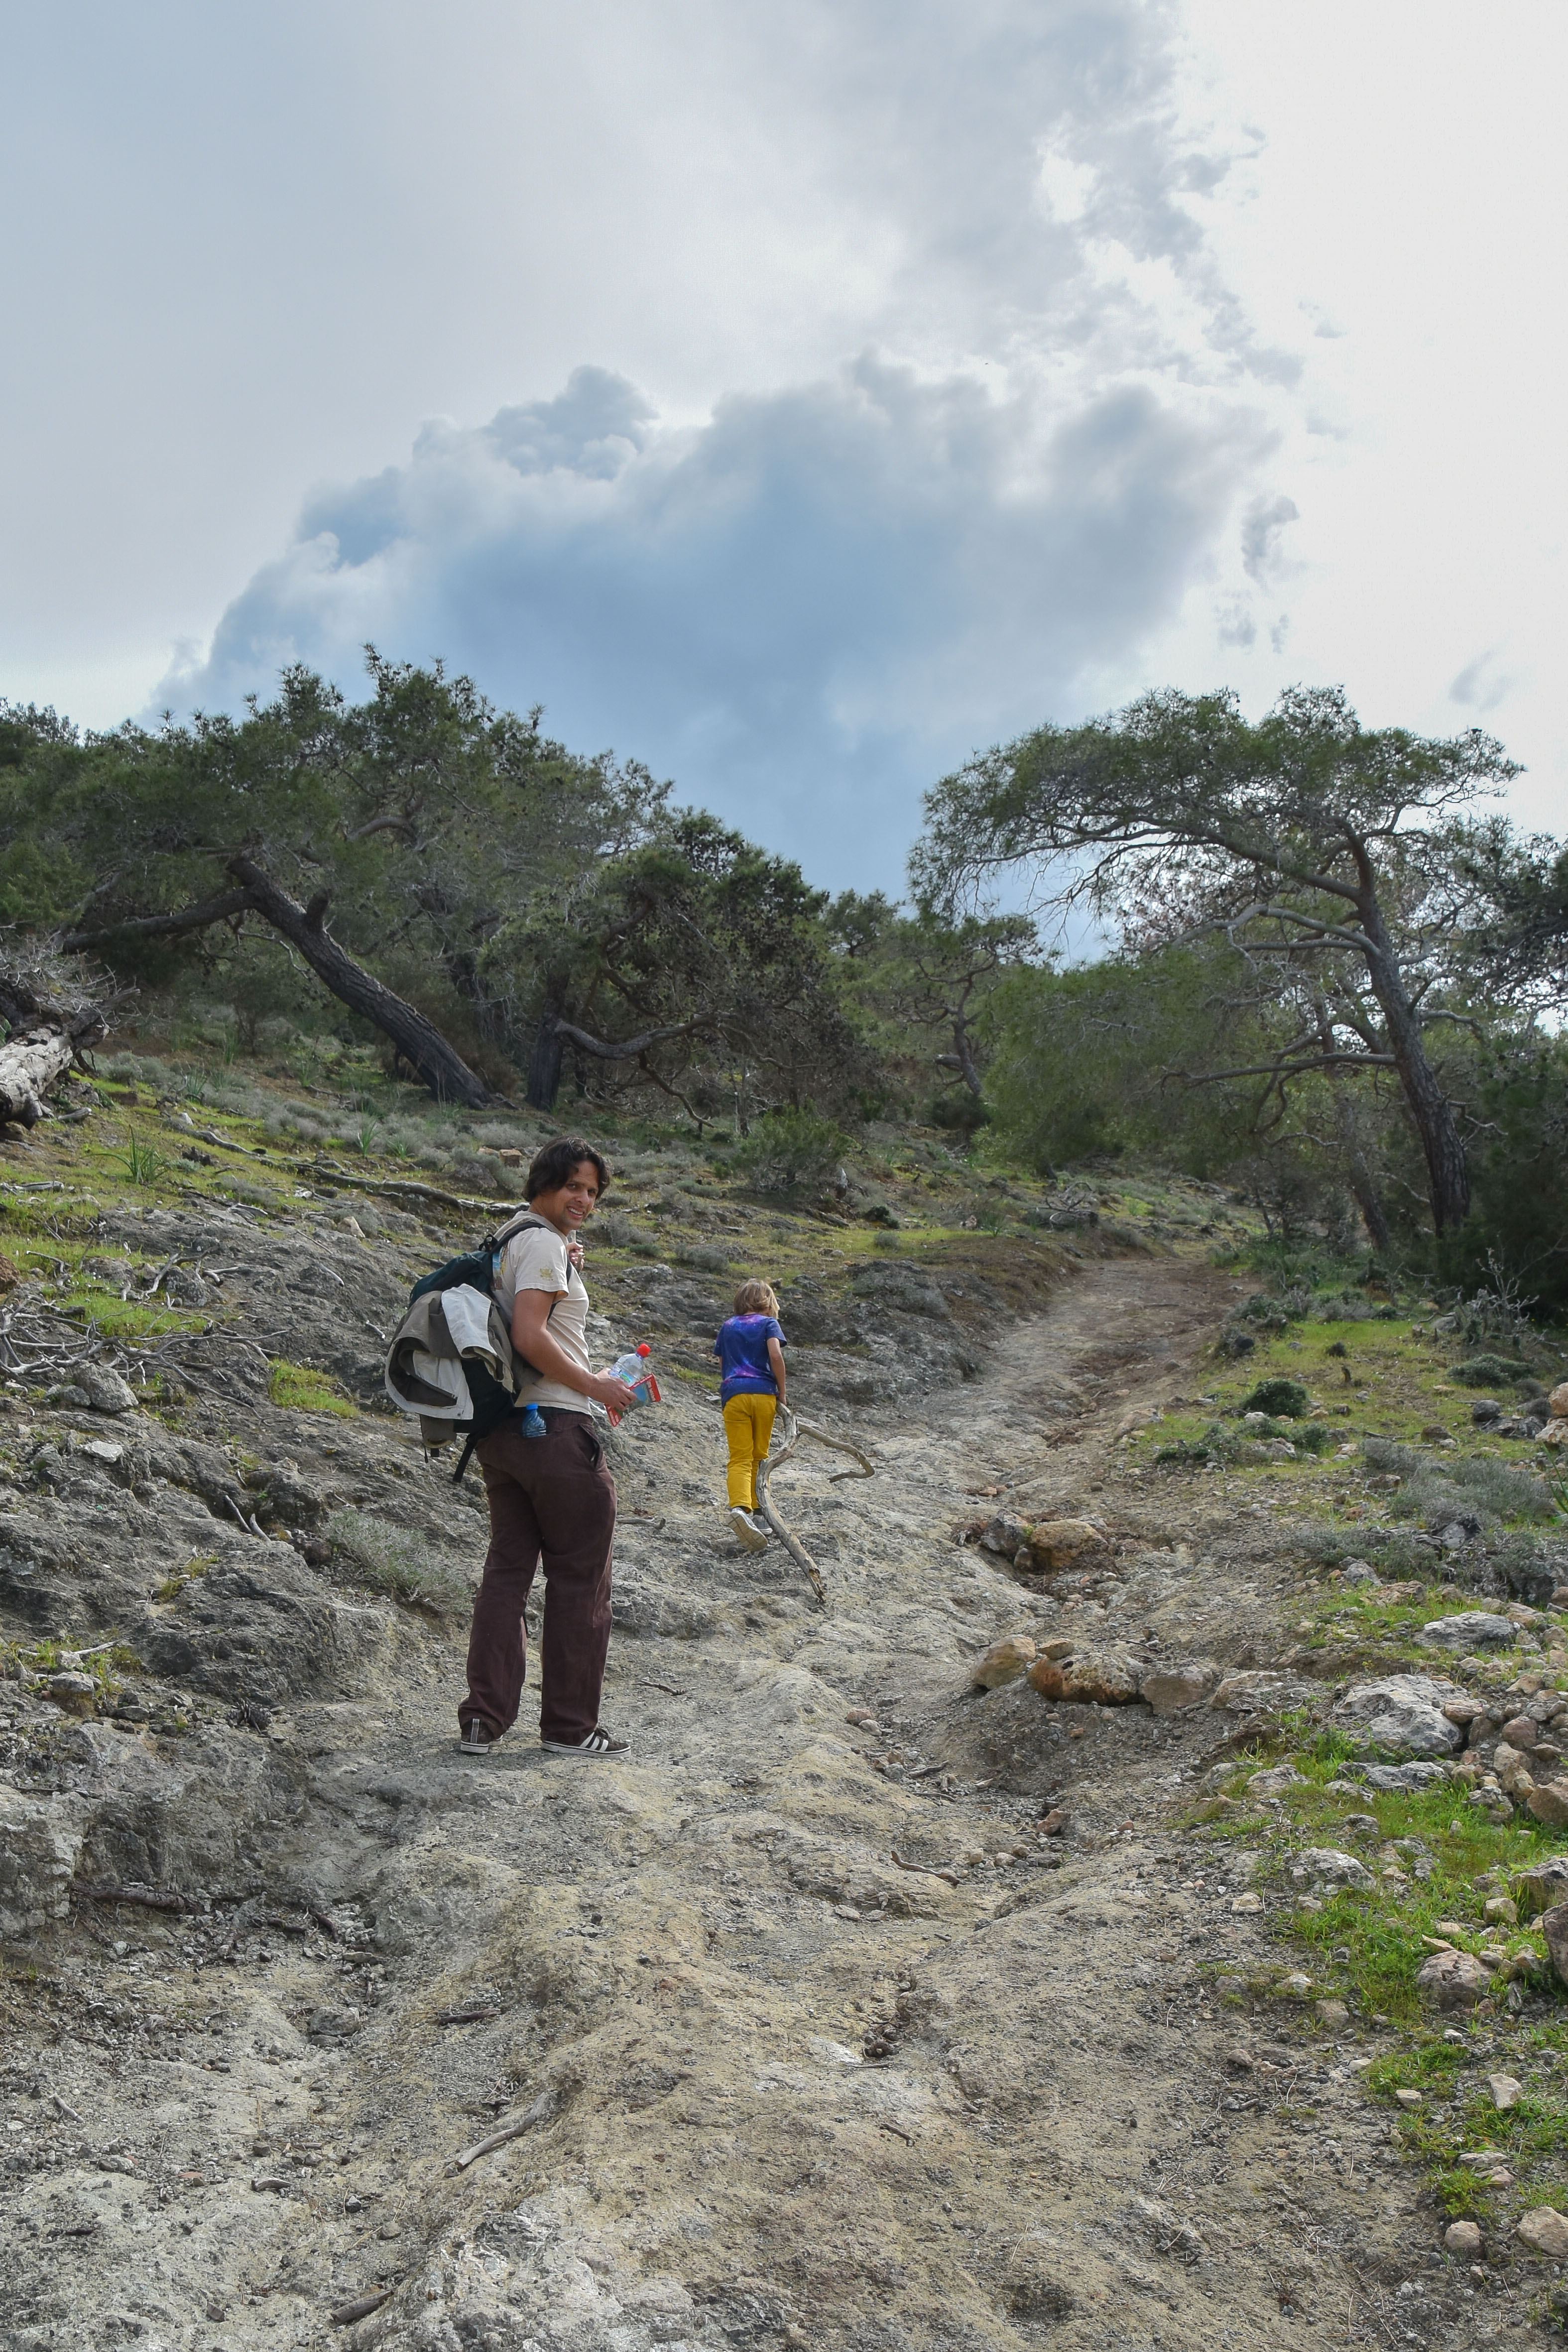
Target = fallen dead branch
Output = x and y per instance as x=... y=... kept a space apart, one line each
x=795 y=1430
x=923 y=1870
x=150 y=1898
x=347 y=2313
x=401 y=1188
x=541 y=2109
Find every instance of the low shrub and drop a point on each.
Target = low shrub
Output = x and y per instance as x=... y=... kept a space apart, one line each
x=390 y=1560
x=1282 y=1399
x=791 y=1151
x=1489 y=1371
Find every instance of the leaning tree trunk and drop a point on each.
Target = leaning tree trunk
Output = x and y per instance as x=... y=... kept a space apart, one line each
x=1359 y=1175
x=1448 y=1178
x=443 y=1070
x=544 y=1061
x=29 y=1066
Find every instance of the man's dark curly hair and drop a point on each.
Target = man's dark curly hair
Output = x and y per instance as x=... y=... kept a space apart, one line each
x=554 y=1163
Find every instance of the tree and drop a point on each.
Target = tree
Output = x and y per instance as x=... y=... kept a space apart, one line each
x=491 y=894
x=1517 y=942
x=695 y=964
x=1318 y=848
x=421 y=817
x=926 y=982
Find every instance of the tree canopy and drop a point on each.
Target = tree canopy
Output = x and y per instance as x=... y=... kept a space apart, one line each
x=491 y=901
x=1322 y=850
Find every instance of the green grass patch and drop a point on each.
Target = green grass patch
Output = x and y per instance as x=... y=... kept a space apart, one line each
x=170 y=1586
x=1366 y=1947
x=300 y=1388
x=1449 y=1856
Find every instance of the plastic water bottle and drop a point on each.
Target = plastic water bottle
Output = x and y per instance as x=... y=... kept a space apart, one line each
x=632 y=1367
x=533 y=1422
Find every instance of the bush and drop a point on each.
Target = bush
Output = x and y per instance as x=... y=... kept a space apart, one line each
x=1489 y=1371
x=960 y=1114
x=1286 y=1399
x=791 y=1151
x=1436 y=1490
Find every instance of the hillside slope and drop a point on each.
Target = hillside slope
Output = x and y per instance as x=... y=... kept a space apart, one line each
x=860 y=2007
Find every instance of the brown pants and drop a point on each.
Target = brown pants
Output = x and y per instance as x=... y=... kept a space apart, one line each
x=550 y=1497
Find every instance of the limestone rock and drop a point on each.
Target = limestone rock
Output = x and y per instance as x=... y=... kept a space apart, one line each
x=1174 y=1689
x=1003 y=1661
x=1472 y=1629
x=1396 y=1780
x=1327 y=1866
x=1548 y=1800
x=106 y=1392
x=1545 y=1883
x=1555 y=1433
x=1333 y=2014
x=1261 y=1691
x=1403 y=1712
x=1452 y=1979
x=1507 y=2091
x=1276 y=1782
x=1545 y=2231
x=1463 y=2239
x=1097 y=1677
x=1061 y=1543
x=1555 y=1928
x=40 y=1840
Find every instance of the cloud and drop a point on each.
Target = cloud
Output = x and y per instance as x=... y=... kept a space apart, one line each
x=1262 y=558
x=803 y=609
x=1481 y=685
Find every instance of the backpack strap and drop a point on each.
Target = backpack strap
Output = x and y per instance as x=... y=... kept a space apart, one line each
x=520 y=1223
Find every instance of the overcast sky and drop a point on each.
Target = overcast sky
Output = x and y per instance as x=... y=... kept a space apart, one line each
x=796 y=398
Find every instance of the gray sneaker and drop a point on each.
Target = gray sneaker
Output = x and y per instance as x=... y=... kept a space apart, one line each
x=599 y=1744
x=479 y=1738
x=751 y=1535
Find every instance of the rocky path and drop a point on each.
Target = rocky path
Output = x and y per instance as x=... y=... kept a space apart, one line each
x=807 y=2025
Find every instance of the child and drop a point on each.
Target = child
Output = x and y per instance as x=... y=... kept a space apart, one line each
x=750 y=1347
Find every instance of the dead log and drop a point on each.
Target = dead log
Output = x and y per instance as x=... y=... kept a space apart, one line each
x=54 y=1005
x=29 y=1066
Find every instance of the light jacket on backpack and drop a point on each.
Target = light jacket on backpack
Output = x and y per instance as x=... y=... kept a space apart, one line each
x=450 y=1363
x=443 y=1333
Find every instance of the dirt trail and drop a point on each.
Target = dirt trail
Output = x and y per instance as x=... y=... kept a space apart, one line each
x=772 y=2084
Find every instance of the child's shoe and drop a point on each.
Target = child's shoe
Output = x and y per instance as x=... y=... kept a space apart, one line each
x=746 y=1528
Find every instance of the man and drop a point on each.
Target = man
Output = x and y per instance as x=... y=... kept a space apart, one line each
x=550 y=1499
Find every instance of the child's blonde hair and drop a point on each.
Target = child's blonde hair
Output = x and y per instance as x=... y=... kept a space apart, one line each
x=755 y=1298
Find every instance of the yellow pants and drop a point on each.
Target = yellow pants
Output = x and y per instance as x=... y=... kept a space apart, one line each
x=748 y=1424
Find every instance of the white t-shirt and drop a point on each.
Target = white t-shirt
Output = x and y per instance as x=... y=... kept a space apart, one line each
x=536 y=1259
